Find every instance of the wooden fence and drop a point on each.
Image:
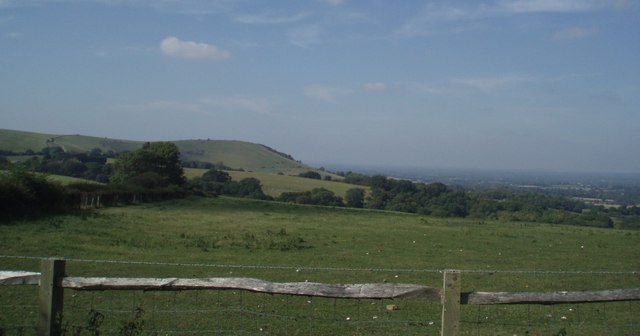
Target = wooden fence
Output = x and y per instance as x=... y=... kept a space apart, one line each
x=52 y=282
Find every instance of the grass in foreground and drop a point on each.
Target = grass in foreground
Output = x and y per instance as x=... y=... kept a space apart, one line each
x=302 y=243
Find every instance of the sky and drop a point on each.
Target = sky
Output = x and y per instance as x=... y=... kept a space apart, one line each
x=535 y=85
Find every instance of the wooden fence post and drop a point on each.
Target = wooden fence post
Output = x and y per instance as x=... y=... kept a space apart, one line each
x=451 y=304
x=50 y=297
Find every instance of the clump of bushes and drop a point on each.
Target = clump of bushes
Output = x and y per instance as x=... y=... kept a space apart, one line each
x=23 y=193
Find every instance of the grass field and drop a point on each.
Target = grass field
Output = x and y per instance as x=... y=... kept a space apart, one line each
x=284 y=242
x=274 y=185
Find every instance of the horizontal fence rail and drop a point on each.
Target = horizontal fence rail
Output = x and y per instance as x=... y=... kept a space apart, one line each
x=345 y=291
x=52 y=281
x=561 y=297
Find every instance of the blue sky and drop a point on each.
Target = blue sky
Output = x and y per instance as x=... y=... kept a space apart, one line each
x=550 y=85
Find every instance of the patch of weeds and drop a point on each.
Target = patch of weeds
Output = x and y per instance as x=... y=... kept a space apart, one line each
x=271 y=240
x=561 y=332
x=133 y=326
x=94 y=322
x=200 y=242
x=92 y=327
x=55 y=222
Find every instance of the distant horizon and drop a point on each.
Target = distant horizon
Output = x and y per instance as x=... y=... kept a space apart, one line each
x=376 y=166
x=382 y=168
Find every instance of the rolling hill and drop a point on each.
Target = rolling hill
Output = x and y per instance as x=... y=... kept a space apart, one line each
x=235 y=154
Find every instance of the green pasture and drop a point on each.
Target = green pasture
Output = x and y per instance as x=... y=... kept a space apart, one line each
x=274 y=184
x=239 y=155
x=219 y=237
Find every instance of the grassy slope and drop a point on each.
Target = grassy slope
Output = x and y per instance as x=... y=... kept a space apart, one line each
x=238 y=154
x=274 y=185
x=19 y=141
x=231 y=231
x=235 y=154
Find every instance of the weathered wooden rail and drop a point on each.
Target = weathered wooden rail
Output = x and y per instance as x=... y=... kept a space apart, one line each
x=52 y=283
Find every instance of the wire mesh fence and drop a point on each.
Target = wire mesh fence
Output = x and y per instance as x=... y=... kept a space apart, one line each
x=240 y=313
x=234 y=312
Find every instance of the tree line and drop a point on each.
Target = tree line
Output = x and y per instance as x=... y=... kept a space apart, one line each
x=155 y=172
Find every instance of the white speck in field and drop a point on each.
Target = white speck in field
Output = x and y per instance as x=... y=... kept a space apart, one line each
x=581 y=246
x=297 y=270
x=414 y=241
x=563 y=318
x=348 y=318
x=375 y=317
x=396 y=275
x=431 y=323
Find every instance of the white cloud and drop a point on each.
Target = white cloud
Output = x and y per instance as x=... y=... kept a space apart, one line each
x=12 y=35
x=249 y=104
x=204 y=105
x=491 y=83
x=374 y=86
x=573 y=33
x=190 y=7
x=269 y=18
x=162 y=105
x=306 y=36
x=172 y=46
x=430 y=18
x=335 y=2
x=560 y=6
x=328 y=94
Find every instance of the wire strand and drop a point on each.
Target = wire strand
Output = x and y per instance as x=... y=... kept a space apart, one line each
x=334 y=269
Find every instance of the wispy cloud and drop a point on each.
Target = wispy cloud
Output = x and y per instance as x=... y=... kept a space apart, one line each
x=249 y=104
x=558 y=6
x=192 y=7
x=12 y=35
x=270 y=18
x=205 y=105
x=6 y=19
x=491 y=83
x=573 y=33
x=374 y=86
x=306 y=36
x=172 y=46
x=430 y=18
x=335 y=2
x=325 y=93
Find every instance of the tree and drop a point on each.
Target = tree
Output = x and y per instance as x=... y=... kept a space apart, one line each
x=311 y=174
x=354 y=198
x=162 y=158
x=4 y=162
x=249 y=187
x=214 y=175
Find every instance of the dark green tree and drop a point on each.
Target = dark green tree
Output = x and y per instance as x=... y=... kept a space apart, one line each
x=354 y=198
x=311 y=175
x=214 y=175
x=161 y=158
